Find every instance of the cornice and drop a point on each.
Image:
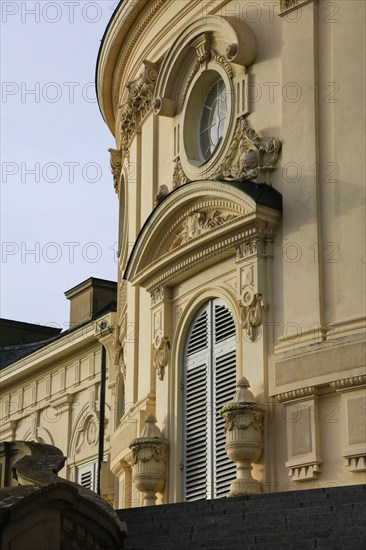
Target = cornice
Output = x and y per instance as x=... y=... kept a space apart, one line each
x=347 y=383
x=65 y=346
x=120 y=26
x=242 y=219
x=294 y=395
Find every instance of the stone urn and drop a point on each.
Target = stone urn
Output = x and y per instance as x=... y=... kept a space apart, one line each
x=243 y=428
x=149 y=461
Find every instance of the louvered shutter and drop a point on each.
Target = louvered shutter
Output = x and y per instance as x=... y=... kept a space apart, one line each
x=209 y=383
x=196 y=425
x=86 y=475
x=224 y=363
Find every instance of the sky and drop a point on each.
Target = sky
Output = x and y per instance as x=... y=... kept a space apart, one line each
x=58 y=206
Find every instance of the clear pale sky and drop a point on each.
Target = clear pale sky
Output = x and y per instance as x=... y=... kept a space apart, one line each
x=58 y=205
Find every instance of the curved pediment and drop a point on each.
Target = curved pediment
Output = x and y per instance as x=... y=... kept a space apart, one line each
x=195 y=224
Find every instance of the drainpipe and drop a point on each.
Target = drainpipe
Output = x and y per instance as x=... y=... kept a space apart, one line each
x=103 y=368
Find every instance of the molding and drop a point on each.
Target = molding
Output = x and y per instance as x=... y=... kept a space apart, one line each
x=347 y=383
x=301 y=393
x=319 y=363
x=132 y=39
x=287 y=6
x=356 y=463
x=151 y=265
x=304 y=472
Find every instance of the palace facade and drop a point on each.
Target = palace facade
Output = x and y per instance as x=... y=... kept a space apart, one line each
x=239 y=168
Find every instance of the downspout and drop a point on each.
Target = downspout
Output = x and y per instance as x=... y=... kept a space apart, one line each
x=103 y=369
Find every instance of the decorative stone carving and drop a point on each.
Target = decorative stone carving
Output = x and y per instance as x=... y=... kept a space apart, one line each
x=92 y=432
x=116 y=166
x=118 y=352
x=305 y=472
x=356 y=463
x=137 y=103
x=251 y=313
x=179 y=177
x=204 y=55
x=199 y=222
x=161 y=293
x=149 y=461
x=289 y=5
x=243 y=429
x=295 y=394
x=161 y=349
x=249 y=156
x=348 y=382
x=122 y=295
x=254 y=246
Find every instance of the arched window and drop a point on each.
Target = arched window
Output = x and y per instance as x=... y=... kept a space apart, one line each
x=209 y=383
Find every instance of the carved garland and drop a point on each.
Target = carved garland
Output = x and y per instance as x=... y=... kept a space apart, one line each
x=252 y=419
x=249 y=156
x=147 y=452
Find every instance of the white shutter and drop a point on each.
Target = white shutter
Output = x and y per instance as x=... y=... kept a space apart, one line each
x=209 y=383
x=195 y=384
x=225 y=383
x=86 y=475
x=224 y=362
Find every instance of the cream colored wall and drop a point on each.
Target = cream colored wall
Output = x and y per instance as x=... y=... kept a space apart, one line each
x=314 y=286
x=55 y=397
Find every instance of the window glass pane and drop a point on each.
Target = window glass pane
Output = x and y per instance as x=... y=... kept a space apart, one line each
x=213 y=116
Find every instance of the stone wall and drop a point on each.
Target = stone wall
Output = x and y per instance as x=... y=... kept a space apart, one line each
x=332 y=518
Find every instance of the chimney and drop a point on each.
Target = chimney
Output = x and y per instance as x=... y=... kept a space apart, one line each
x=88 y=297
